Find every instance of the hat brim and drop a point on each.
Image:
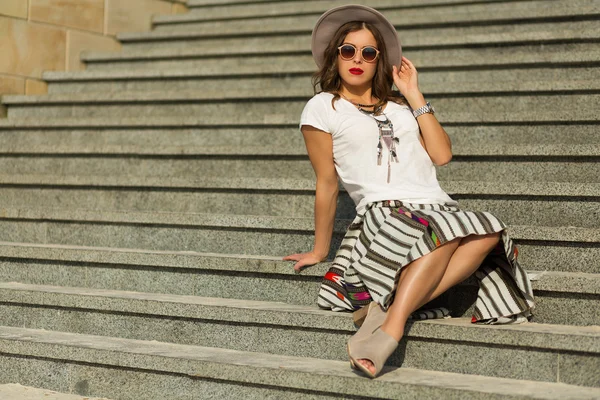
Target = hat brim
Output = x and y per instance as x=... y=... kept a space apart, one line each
x=329 y=23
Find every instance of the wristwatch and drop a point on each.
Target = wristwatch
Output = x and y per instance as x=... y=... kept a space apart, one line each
x=427 y=108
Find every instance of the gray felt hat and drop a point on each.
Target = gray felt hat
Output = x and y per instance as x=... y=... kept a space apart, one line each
x=332 y=20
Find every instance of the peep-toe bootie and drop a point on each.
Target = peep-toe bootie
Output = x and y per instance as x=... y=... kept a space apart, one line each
x=374 y=316
x=377 y=348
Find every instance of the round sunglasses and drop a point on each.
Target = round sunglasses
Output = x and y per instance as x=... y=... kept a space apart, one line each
x=368 y=53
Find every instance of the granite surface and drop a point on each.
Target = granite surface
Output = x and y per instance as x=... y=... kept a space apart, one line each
x=87 y=379
x=571 y=308
x=278 y=315
x=252 y=224
x=545 y=176
x=202 y=363
x=257 y=9
x=181 y=137
x=125 y=194
x=477 y=58
x=13 y=391
x=568 y=107
x=519 y=140
x=562 y=299
x=467 y=29
x=53 y=255
x=527 y=80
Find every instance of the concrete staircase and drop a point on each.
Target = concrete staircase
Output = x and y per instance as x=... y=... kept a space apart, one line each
x=146 y=202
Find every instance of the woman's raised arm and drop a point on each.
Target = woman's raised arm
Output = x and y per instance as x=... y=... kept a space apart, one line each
x=320 y=151
x=434 y=138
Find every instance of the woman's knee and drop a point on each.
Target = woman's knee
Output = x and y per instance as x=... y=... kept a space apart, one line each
x=486 y=242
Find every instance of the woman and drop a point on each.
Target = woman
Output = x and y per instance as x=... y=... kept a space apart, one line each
x=409 y=242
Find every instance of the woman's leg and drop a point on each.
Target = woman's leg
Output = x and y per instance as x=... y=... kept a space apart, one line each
x=418 y=281
x=469 y=255
x=431 y=275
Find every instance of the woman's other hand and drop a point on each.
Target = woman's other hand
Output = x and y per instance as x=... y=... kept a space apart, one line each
x=304 y=260
x=405 y=78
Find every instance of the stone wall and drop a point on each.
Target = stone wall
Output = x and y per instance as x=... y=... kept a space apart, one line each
x=48 y=35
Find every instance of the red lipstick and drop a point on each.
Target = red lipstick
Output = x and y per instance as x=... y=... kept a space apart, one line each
x=356 y=71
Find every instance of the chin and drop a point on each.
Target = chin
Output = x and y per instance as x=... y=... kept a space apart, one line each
x=357 y=80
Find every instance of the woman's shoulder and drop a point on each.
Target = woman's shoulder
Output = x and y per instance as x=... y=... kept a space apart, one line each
x=320 y=102
x=318 y=112
x=324 y=95
x=321 y=97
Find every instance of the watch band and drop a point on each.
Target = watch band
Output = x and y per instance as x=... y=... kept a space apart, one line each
x=427 y=108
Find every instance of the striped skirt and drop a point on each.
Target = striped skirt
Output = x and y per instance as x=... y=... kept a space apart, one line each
x=391 y=234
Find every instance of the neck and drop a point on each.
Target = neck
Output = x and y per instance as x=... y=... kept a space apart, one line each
x=358 y=94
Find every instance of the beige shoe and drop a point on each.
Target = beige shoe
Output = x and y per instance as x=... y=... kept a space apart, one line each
x=377 y=348
x=372 y=316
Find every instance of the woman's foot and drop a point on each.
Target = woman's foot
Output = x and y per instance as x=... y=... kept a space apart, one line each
x=370 y=352
x=374 y=318
x=366 y=363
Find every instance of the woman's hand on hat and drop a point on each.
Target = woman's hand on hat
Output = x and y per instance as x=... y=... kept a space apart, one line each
x=304 y=260
x=405 y=78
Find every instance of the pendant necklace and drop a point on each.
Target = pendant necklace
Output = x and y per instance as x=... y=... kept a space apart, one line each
x=386 y=133
x=386 y=136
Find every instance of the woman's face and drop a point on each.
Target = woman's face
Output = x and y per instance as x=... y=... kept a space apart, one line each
x=356 y=71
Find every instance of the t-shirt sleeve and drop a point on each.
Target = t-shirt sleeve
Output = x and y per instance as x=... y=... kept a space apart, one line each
x=316 y=114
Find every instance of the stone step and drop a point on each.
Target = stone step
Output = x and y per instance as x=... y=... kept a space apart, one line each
x=458 y=15
x=441 y=82
x=452 y=36
x=268 y=9
x=572 y=107
x=193 y=88
x=186 y=55
x=493 y=168
x=555 y=204
x=565 y=248
x=243 y=95
x=277 y=328
x=568 y=298
x=504 y=22
x=22 y=145
x=125 y=368
x=182 y=138
x=14 y=391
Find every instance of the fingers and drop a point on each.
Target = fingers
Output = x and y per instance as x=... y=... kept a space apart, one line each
x=304 y=263
x=298 y=266
x=302 y=260
x=407 y=63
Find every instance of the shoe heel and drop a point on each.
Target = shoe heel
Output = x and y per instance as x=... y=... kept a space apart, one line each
x=359 y=316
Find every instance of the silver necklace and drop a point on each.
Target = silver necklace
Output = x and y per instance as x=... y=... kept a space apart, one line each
x=386 y=135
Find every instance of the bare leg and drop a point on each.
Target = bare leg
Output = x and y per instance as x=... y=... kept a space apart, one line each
x=431 y=275
x=464 y=262
x=418 y=281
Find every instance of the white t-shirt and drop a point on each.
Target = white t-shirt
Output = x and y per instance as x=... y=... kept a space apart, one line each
x=355 y=136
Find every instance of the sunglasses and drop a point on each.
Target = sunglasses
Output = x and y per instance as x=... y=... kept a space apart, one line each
x=368 y=53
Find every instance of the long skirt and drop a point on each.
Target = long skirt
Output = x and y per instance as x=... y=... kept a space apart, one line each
x=389 y=235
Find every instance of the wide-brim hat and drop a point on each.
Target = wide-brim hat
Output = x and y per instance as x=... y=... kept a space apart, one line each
x=332 y=20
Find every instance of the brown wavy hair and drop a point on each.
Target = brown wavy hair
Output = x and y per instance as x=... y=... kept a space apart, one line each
x=328 y=79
